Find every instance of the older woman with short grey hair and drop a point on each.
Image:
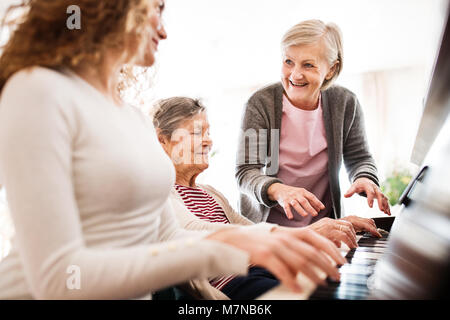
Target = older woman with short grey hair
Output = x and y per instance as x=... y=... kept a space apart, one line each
x=182 y=127
x=300 y=130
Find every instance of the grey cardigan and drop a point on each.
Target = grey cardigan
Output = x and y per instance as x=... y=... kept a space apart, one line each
x=257 y=161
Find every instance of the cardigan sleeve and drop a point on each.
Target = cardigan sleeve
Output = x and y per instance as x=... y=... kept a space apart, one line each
x=251 y=157
x=35 y=168
x=357 y=158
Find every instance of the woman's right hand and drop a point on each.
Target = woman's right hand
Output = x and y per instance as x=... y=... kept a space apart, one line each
x=336 y=230
x=303 y=201
x=286 y=252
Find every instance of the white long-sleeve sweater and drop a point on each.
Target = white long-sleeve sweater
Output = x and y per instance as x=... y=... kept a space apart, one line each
x=87 y=185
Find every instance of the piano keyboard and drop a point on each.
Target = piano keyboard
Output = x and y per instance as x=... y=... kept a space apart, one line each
x=355 y=275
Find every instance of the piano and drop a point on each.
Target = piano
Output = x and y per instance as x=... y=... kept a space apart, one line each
x=412 y=260
x=356 y=275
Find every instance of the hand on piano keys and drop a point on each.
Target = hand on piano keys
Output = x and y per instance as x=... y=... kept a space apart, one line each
x=282 y=292
x=354 y=274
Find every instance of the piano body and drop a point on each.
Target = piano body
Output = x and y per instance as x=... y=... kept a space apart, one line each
x=413 y=260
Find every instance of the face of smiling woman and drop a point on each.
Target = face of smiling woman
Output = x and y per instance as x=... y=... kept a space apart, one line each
x=303 y=72
x=190 y=145
x=155 y=32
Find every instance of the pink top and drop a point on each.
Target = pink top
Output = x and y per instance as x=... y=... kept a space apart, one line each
x=303 y=160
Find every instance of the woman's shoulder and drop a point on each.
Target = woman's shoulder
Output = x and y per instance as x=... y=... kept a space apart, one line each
x=44 y=88
x=38 y=77
x=337 y=91
x=341 y=98
x=39 y=84
x=264 y=101
x=211 y=190
x=267 y=92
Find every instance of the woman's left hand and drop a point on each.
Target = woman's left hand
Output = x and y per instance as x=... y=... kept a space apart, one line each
x=363 y=224
x=372 y=191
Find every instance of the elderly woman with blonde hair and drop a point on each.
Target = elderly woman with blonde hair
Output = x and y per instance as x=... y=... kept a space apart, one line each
x=300 y=130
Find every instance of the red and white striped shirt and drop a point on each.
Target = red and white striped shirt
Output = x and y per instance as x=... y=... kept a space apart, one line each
x=205 y=207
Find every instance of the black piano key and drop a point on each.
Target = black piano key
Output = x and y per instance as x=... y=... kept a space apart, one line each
x=371 y=245
x=351 y=279
x=362 y=255
x=363 y=242
x=361 y=261
x=346 y=291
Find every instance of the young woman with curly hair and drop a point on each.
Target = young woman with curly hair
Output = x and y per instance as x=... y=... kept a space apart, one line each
x=86 y=179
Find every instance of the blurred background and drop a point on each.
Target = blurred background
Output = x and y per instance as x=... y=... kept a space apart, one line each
x=223 y=51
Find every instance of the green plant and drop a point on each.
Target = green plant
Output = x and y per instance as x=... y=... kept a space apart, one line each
x=395 y=184
x=213 y=153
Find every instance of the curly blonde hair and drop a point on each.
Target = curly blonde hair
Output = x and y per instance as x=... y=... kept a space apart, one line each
x=40 y=36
